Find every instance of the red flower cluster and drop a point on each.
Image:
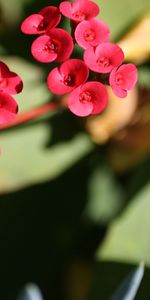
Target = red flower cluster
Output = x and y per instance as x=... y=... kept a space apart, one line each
x=100 y=56
x=53 y=44
x=10 y=84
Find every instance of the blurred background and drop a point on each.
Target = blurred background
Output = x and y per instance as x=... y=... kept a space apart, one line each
x=75 y=193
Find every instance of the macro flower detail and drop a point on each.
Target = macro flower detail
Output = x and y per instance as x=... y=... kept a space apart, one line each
x=56 y=45
x=104 y=57
x=123 y=79
x=92 y=33
x=79 y=10
x=100 y=56
x=47 y=18
x=89 y=98
x=68 y=76
x=8 y=108
x=10 y=82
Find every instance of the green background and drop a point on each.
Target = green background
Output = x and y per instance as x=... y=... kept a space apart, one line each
x=61 y=201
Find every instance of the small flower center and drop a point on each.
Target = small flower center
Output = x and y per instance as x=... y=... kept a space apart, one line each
x=3 y=83
x=119 y=79
x=85 y=97
x=79 y=15
x=51 y=46
x=68 y=80
x=89 y=35
x=104 y=61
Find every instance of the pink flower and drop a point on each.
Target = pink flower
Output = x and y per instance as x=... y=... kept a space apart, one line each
x=92 y=33
x=89 y=98
x=56 y=45
x=104 y=57
x=8 y=108
x=47 y=18
x=10 y=82
x=123 y=79
x=79 y=10
x=68 y=76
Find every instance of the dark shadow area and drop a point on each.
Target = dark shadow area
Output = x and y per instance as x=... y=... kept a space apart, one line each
x=41 y=227
x=64 y=126
x=104 y=284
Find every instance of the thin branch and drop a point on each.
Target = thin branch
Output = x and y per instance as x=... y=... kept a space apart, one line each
x=30 y=115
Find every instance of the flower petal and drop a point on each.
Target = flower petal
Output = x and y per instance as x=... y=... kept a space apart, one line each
x=14 y=84
x=79 y=10
x=55 y=83
x=51 y=16
x=90 y=59
x=3 y=69
x=8 y=108
x=89 y=98
x=68 y=76
x=77 y=68
x=66 y=8
x=118 y=91
x=40 y=50
x=65 y=43
x=30 y=24
x=47 y=18
x=123 y=79
x=10 y=82
x=78 y=108
x=104 y=57
x=130 y=74
x=91 y=33
x=89 y=8
x=101 y=98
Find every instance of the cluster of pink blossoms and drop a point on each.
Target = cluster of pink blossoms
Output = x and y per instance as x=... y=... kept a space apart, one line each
x=102 y=60
x=10 y=84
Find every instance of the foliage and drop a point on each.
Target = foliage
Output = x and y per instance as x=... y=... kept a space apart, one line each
x=70 y=220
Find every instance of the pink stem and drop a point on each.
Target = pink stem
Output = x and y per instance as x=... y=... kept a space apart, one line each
x=30 y=115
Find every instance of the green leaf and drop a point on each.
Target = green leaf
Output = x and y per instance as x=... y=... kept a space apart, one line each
x=25 y=157
x=35 y=91
x=100 y=206
x=144 y=76
x=129 y=287
x=26 y=160
x=121 y=14
x=128 y=237
x=12 y=10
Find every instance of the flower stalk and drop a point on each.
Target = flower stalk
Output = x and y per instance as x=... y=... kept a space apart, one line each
x=32 y=114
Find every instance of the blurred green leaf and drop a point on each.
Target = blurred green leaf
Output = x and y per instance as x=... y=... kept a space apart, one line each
x=144 y=76
x=121 y=14
x=129 y=287
x=100 y=206
x=12 y=10
x=26 y=160
x=35 y=91
x=128 y=238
